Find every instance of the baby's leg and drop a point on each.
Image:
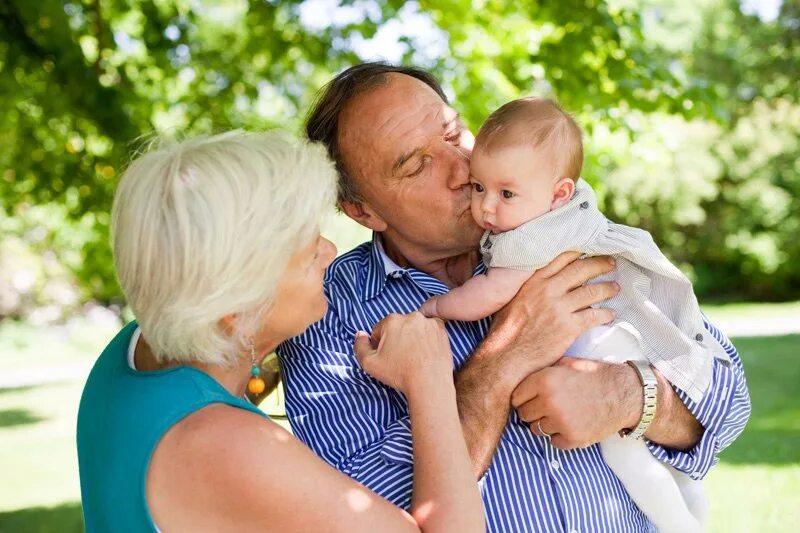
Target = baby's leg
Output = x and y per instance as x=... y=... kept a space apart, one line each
x=670 y=499
x=693 y=494
x=650 y=485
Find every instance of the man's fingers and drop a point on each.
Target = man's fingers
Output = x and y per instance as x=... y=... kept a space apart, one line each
x=558 y=264
x=531 y=411
x=543 y=427
x=594 y=293
x=578 y=363
x=561 y=442
x=525 y=391
x=579 y=272
x=590 y=318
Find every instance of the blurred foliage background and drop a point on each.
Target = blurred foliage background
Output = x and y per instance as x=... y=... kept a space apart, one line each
x=690 y=109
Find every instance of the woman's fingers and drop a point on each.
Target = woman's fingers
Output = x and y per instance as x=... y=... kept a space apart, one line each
x=363 y=349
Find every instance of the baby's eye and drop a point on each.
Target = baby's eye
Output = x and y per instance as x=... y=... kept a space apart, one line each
x=477 y=187
x=508 y=194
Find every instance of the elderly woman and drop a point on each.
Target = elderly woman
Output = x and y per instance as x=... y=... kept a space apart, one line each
x=217 y=248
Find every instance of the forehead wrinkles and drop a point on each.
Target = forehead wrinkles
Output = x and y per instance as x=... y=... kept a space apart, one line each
x=405 y=129
x=375 y=134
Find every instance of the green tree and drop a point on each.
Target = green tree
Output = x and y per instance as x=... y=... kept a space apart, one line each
x=81 y=81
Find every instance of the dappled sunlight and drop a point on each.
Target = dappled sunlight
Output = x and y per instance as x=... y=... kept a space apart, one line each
x=359 y=500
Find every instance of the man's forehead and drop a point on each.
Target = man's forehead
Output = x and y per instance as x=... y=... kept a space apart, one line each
x=386 y=119
x=401 y=99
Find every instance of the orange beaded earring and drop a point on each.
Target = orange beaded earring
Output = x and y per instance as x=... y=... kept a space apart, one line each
x=256 y=385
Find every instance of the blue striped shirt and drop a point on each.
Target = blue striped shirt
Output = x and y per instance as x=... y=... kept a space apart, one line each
x=362 y=428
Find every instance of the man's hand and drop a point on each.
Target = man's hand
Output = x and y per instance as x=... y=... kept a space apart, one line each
x=532 y=332
x=580 y=402
x=546 y=316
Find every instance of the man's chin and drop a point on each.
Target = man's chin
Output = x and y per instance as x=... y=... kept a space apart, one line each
x=468 y=234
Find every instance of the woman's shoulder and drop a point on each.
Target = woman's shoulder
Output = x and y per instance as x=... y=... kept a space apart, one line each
x=231 y=431
x=206 y=459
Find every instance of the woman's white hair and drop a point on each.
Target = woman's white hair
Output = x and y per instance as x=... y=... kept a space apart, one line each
x=204 y=228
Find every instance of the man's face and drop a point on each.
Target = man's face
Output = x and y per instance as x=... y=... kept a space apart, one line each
x=408 y=153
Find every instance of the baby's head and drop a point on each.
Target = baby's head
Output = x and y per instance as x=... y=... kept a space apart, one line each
x=527 y=157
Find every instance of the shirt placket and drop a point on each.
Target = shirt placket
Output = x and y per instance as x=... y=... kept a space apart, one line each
x=555 y=460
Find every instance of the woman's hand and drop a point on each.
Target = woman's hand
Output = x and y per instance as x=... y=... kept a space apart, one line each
x=405 y=351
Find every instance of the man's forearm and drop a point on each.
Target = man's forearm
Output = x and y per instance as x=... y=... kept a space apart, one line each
x=482 y=408
x=483 y=388
x=674 y=425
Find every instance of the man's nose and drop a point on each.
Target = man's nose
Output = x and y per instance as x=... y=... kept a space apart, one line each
x=458 y=177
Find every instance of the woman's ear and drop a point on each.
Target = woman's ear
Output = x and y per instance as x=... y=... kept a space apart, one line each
x=363 y=213
x=562 y=192
x=228 y=323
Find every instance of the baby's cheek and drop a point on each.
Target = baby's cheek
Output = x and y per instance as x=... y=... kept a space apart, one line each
x=476 y=209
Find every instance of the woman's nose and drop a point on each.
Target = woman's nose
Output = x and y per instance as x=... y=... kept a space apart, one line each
x=328 y=251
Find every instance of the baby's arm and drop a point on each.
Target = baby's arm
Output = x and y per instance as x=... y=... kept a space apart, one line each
x=479 y=297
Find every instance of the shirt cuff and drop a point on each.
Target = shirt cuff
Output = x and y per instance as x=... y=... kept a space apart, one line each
x=711 y=412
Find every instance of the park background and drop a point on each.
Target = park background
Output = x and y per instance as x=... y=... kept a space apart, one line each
x=691 y=112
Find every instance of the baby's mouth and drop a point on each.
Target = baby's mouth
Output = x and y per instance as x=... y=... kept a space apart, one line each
x=491 y=227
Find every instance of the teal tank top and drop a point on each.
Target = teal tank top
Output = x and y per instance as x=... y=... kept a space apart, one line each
x=123 y=414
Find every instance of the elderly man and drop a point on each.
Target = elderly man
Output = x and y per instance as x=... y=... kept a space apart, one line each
x=531 y=419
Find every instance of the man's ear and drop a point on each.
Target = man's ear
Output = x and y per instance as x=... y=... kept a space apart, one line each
x=562 y=192
x=362 y=213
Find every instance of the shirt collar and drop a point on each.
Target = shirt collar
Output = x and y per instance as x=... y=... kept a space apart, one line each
x=389 y=266
x=376 y=269
x=379 y=267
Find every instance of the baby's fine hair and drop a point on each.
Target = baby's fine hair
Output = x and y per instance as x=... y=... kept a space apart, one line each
x=539 y=123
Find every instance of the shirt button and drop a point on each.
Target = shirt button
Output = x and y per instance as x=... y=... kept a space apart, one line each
x=584 y=205
x=397 y=274
x=555 y=465
x=699 y=337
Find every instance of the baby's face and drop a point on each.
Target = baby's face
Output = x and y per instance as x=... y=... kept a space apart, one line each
x=510 y=186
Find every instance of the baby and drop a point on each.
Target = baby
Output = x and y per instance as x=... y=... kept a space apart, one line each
x=528 y=195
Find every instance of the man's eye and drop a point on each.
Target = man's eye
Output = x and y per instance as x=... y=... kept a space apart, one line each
x=508 y=194
x=477 y=187
x=453 y=136
x=421 y=167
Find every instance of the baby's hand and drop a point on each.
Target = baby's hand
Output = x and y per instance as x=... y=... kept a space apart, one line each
x=429 y=308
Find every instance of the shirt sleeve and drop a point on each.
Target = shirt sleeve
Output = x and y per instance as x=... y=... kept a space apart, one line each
x=352 y=421
x=723 y=412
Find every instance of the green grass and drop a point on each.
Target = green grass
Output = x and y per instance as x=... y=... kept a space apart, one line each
x=756 y=486
x=760 y=311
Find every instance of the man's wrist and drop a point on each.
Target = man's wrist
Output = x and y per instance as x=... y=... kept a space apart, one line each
x=630 y=389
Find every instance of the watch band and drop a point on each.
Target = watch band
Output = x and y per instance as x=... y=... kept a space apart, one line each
x=650 y=393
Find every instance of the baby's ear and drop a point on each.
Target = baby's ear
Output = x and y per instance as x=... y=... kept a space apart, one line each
x=562 y=192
